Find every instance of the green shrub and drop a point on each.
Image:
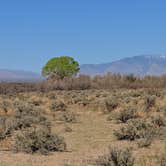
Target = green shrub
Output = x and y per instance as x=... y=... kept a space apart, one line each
x=135 y=129
x=116 y=157
x=25 y=116
x=38 y=140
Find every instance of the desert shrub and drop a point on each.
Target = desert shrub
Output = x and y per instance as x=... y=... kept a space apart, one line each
x=2 y=120
x=161 y=109
x=39 y=140
x=130 y=78
x=25 y=116
x=111 y=103
x=116 y=157
x=5 y=105
x=126 y=114
x=136 y=93
x=52 y=96
x=9 y=125
x=82 y=82
x=154 y=92
x=36 y=102
x=149 y=102
x=158 y=120
x=57 y=106
x=68 y=117
x=146 y=139
x=83 y=101
x=162 y=160
x=127 y=99
x=135 y=129
x=24 y=108
x=2 y=126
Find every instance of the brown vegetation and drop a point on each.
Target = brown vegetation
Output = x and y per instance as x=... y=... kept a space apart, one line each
x=76 y=127
x=83 y=82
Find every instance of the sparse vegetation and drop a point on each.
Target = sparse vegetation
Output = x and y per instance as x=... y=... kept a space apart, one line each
x=149 y=102
x=58 y=106
x=28 y=121
x=111 y=104
x=116 y=157
x=158 y=120
x=39 y=140
x=68 y=117
x=134 y=129
x=82 y=82
x=126 y=114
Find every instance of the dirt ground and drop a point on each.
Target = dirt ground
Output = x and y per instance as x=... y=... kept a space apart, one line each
x=90 y=137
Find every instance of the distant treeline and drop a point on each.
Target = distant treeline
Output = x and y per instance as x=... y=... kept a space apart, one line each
x=82 y=82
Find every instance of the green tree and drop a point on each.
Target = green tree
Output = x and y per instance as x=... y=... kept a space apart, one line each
x=63 y=66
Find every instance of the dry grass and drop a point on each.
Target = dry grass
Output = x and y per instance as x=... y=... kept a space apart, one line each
x=87 y=132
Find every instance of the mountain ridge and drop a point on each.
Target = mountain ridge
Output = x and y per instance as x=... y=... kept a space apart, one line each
x=8 y=75
x=138 y=65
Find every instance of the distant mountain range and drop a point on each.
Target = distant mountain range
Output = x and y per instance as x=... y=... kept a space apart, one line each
x=137 y=65
x=18 y=76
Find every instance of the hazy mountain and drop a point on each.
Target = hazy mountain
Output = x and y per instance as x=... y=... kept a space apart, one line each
x=138 y=65
x=18 y=76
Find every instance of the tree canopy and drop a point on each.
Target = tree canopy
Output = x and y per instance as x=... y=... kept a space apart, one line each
x=63 y=66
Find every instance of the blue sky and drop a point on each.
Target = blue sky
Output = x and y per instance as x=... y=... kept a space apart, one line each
x=92 y=31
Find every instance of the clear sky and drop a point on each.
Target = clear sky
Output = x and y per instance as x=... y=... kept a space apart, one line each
x=92 y=31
